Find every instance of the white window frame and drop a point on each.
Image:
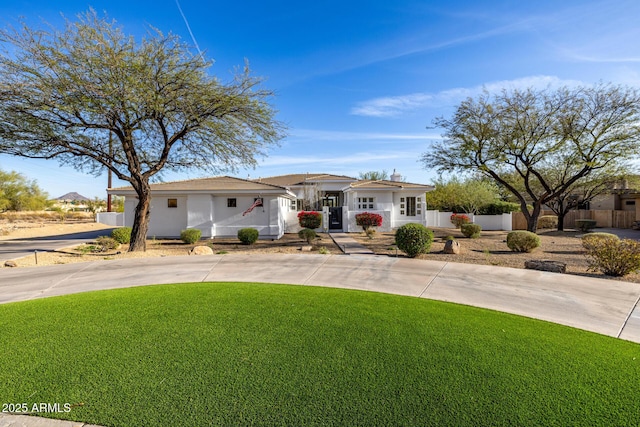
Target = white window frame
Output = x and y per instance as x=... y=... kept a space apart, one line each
x=366 y=203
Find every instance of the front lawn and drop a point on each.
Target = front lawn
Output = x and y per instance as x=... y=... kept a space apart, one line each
x=255 y=354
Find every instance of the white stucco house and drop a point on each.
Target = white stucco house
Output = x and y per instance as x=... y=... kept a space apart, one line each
x=220 y=206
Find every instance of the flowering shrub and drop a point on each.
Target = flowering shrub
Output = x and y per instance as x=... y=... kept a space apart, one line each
x=459 y=219
x=368 y=219
x=310 y=219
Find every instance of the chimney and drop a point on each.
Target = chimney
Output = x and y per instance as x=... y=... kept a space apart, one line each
x=396 y=177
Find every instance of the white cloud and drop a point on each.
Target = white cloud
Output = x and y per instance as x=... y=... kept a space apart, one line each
x=394 y=106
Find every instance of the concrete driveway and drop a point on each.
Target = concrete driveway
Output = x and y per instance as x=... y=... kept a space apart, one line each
x=17 y=248
x=608 y=307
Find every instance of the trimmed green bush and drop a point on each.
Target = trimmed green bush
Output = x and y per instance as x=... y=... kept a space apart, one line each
x=471 y=230
x=190 y=235
x=591 y=239
x=585 y=225
x=547 y=221
x=105 y=243
x=248 y=236
x=614 y=257
x=414 y=239
x=122 y=235
x=522 y=241
x=307 y=235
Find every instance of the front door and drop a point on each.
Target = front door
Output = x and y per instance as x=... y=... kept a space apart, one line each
x=335 y=218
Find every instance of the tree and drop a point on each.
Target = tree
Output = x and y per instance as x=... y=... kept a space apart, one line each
x=522 y=135
x=95 y=98
x=461 y=196
x=582 y=191
x=17 y=193
x=96 y=205
x=374 y=175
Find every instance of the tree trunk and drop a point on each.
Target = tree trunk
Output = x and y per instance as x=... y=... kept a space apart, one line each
x=141 y=219
x=561 y=221
x=532 y=220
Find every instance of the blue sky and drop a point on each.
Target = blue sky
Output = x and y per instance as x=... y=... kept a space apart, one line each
x=359 y=82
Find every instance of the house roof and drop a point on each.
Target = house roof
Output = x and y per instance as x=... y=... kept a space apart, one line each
x=301 y=178
x=73 y=196
x=216 y=183
x=386 y=184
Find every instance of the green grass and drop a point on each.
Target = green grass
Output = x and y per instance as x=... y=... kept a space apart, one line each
x=253 y=354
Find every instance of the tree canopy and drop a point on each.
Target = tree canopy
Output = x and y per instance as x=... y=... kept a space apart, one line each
x=374 y=175
x=543 y=140
x=456 y=195
x=18 y=193
x=93 y=97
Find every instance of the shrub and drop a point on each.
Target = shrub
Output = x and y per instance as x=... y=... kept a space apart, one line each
x=414 y=239
x=307 y=234
x=324 y=251
x=190 y=235
x=105 y=243
x=471 y=230
x=522 y=241
x=499 y=208
x=614 y=257
x=248 y=236
x=585 y=224
x=459 y=219
x=591 y=239
x=368 y=219
x=548 y=221
x=310 y=219
x=370 y=232
x=122 y=235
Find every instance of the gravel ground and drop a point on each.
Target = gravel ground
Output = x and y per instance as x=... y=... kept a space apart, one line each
x=489 y=249
x=290 y=243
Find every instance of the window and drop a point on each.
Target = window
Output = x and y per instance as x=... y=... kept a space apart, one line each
x=411 y=206
x=366 y=203
x=630 y=202
x=172 y=203
x=231 y=203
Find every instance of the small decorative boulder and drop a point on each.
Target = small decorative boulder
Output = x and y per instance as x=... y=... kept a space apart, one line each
x=10 y=264
x=306 y=248
x=546 y=265
x=452 y=247
x=201 y=250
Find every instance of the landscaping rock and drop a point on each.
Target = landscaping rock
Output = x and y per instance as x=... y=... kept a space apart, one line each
x=201 y=250
x=10 y=264
x=452 y=247
x=546 y=265
x=306 y=248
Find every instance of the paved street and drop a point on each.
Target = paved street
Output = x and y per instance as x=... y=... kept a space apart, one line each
x=11 y=249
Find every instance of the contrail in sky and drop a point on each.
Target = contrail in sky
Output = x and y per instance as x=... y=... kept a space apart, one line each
x=189 y=28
